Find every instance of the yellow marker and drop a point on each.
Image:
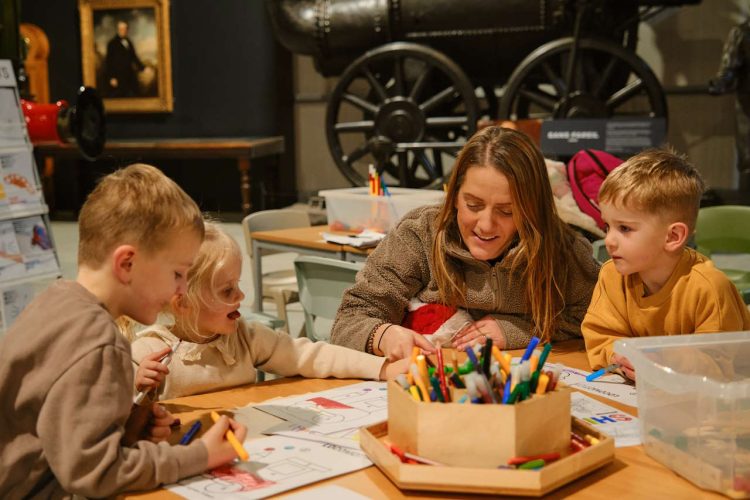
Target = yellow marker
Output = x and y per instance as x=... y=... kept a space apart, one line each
x=232 y=440
x=414 y=393
x=422 y=367
x=541 y=385
x=454 y=362
x=424 y=391
x=534 y=362
x=591 y=439
x=503 y=359
x=414 y=353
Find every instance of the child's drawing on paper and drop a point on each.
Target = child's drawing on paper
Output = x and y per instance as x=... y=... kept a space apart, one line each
x=335 y=410
x=276 y=464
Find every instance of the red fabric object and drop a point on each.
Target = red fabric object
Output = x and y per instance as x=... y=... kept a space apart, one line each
x=428 y=318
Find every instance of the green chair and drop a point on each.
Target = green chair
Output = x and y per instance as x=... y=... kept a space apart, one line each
x=322 y=283
x=600 y=251
x=726 y=230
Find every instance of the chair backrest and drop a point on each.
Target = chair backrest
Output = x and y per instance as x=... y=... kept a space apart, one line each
x=723 y=229
x=322 y=283
x=267 y=220
x=600 y=251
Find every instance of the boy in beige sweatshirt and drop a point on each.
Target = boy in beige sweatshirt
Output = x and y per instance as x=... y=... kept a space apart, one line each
x=654 y=284
x=66 y=373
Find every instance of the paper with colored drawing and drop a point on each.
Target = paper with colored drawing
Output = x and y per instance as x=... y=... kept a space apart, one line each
x=611 y=386
x=276 y=464
x=333 y=411
x=348 y=438
x=622 y=426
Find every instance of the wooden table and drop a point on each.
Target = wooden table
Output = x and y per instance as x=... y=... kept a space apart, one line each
x=243 y=149
x=304 y=240
x=633 y=474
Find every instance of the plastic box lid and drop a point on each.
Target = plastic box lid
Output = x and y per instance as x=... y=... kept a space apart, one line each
x=714 y=365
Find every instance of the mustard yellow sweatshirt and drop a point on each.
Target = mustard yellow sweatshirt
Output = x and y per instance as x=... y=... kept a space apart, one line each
x=697 y=298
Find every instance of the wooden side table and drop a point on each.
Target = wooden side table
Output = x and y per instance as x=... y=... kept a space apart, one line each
x=243 y=149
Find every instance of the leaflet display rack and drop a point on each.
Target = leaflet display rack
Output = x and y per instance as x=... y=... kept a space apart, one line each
x=28 y=260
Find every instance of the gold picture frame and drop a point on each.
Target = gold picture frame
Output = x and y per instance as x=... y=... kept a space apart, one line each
x=125 y=49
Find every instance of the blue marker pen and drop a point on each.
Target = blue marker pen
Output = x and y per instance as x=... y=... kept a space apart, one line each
x=598 y=373
x=506 y=391
x=530 y=350
x=191 y=432
x=473 y=358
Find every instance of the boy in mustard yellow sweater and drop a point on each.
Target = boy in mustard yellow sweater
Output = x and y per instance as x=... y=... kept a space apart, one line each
x=654 y=284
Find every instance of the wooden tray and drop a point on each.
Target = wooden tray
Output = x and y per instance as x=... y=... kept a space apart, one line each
x=375 y=442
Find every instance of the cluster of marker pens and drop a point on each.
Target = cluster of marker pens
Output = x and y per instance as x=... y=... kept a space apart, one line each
x=376 y=183
x=488 y=375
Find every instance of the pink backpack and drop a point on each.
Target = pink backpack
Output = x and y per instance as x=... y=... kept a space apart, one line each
x=586 y=171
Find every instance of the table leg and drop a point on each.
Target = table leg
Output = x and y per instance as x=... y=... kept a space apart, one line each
x=257 y=278
x=48 y=182
x=243 y=164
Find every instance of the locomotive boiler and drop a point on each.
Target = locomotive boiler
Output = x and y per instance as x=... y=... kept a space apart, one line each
x=416 y=76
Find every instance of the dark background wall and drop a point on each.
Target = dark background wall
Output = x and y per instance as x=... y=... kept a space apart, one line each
x=230 y=79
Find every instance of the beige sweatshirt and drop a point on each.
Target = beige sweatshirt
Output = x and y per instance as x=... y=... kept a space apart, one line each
x=400 y=269
x=231 y=360
x=66 y=383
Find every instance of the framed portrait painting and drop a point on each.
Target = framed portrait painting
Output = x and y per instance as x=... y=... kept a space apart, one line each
x=126 y=53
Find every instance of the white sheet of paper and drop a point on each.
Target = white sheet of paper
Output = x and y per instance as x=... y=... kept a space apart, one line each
x=276 y=464
x=622 y=426
x=335 y=410
x=611 y=386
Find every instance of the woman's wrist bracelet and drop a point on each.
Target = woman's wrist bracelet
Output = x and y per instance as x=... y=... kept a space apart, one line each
x=368 y=345
x=383 y=335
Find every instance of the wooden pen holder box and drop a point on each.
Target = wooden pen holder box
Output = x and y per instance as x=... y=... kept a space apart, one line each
x=479 y=435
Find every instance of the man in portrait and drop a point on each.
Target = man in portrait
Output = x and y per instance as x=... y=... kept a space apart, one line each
x=121 y=65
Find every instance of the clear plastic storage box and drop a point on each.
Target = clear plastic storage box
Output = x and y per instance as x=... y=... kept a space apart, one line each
x=354 y=209
x=694 y=405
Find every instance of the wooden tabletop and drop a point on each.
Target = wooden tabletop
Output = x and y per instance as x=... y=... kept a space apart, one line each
x=306 y=237
x=633 y=474
x=208 y=147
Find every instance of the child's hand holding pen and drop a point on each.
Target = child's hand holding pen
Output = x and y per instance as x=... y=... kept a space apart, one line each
x=159 y=427
x=626 y=367
x=151 y=371
x=220 y=450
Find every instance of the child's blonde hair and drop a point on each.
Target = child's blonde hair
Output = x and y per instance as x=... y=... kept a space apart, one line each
x=217 y=248
x=656 y=181
x=136 y=205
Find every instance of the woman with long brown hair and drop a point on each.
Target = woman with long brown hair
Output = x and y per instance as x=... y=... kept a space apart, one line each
x=495 y=247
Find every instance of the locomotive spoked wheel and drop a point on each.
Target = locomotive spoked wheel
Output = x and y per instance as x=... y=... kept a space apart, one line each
x=403 y=107
x=607 y=81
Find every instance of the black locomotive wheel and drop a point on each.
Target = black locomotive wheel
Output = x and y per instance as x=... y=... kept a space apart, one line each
x=604 y=81
x=401 y=107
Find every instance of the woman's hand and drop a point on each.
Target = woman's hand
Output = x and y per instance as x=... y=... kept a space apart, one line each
x=396 y=342
x=479 y=331
x=626 y=367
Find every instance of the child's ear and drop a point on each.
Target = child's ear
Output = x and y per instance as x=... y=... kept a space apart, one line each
x=677 y=236
x=122 y=263
x=178 y=302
